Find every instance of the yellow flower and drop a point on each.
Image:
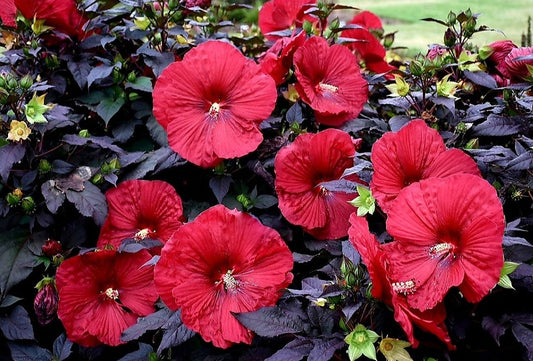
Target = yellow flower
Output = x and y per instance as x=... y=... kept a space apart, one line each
x=18 y=131
x=394 y=349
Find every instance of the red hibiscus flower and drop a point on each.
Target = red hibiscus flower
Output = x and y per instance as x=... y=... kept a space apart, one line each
x=141 y=209
x=221 y=263
x=330 y=81
x=212 y=103
x=451 y=229
x=278 y=15
x=367 y=45
x=413 y=153
x=277 y=60
x=8 y=12
x=520 y=69
x=303 y=170
x=374 y=255
x=62 y=15
x=102 y=293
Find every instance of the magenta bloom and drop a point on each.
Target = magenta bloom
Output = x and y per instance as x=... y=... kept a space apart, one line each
x=302 y=169
x=413 y=153
x=278 y=15
x=141 y=209
x=221 y=263
x=330 y=81
x=366 y=44
x=452 y=230
x=277 y=60
x=520 y=69
x=102 y=293
x=212 y=102
x=375 y=257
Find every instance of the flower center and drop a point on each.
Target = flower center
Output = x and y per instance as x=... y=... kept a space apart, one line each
x=214 y=110
x=20 y=132
x=404 y=288
x=143 y=234
x=230 y=283
x=323 y=191
x=111 y=293
x=328 y=87
x=442 y=250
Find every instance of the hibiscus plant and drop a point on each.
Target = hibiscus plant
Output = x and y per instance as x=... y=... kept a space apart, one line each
x=208 y=180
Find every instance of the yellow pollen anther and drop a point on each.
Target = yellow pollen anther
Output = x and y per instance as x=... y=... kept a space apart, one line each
x=328 y=87
x=214 y=110
x=111 y=293
x=441 y=250
x=142 y=234
x=404 y=287
x=230 y=283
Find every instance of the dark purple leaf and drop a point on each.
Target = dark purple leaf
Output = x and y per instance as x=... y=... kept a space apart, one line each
x=28 y=352
x=102 y=142
x=324 y=349
x=53 y=197
x=157 y=132
x=147 y=323
x=340 y=185
x=295 y=350
x=62 y=347
x=302 y=258
x=523 y=276
x=61 y=167
x=270 y=321
x=80 y=71
x=398 y=121
x=111 y=178
x=124 y=130
x=351 y=307
x=333 y=247
x=58 y=117
x=494 y=328
x=16 y=258
x=523 y=162
x=101 y=72
x=449 y=103
x=142 y=354
x=497 y=126
x=294 y=114
x=264 y=201
x=90 y=202
x=349 y=251
x=220 y=186
x=158 y=61
x=323 y=318
x=311 y=286
x=131 y=245
x=161 y=158
x=481 y=78
x=524 y=335
x=10 y=154
x=10 y=300
x=17 y=325
x=175 y=333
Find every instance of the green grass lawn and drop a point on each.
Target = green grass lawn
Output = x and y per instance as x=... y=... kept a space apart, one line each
x=403 y=16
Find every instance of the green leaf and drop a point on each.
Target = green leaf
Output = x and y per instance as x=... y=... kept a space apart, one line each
x=369 y=351
x=508 y=268
x=108 y=108
x=142 y=83
x=505 y=282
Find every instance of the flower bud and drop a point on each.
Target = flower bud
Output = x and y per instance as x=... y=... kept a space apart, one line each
x=415 y=67
x=452 y=18
x=449 y=38
x=132 y=77
x=46 y=302
x=13 y=199
x=28 y=205
x=114 y=163
x=51 y=248
x=26 y=82
x=3 y=81
x=44 y=166
x=84 y=133
x=388 y=40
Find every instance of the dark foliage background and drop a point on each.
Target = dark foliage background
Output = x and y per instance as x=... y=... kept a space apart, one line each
x=101 y=131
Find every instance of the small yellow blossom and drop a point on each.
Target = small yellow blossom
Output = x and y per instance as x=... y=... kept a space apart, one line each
x=18 y=131
x=394 y=349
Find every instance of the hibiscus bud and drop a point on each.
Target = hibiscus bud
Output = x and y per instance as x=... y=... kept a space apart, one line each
x=3 y=81
x=132 y=77
x=28 y=205
x=452 y=18
x=26 y=82
x=308 y=27
x=46 y=301
x=472 y=144
x=416 y=68
x=44 y=166
x=334 y=24
x=84 y=133
x=449 y=38
x=388 y=40
x=13 y=198
x=51 y=248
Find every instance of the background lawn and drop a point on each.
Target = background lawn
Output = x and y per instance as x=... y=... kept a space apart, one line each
x=403 y=16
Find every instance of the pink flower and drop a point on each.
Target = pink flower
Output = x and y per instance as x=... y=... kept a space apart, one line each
x=375 y=257
x=212 y=102
x=452 y=230
x=221 y=263
x=141 y=209
x=278 y=15
x=102 y=293
x=303 y=169
x=330 y=81
x=413 y=153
